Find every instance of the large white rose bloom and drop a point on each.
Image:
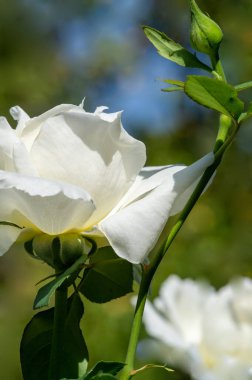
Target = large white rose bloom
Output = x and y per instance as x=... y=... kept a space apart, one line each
x=206 y=333
x=68 y=170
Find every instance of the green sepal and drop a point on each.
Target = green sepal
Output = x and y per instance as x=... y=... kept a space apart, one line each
x=59 y=251
x=3 y=223
x=171 y=89
x=172 y=50
x=107 y=278
x=177 y=85
x=214 y=94
x=176 y=82
x=45 y=293
x=37 y=339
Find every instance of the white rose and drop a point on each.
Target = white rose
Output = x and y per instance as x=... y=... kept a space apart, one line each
x=68 y=170
x=206 y=333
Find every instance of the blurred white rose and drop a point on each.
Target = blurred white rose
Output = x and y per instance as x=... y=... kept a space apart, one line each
x=68 y=170
x=205 y=333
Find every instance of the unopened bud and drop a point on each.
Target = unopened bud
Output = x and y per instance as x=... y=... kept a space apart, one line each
x=206 y=35
x=61 y=251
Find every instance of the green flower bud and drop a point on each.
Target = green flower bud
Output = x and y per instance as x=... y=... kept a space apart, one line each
x=206 y=35
x=61 y=251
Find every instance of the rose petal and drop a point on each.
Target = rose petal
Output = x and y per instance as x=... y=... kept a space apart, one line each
x=149 y=350
x=51 y=207
x=134 y=229
x=148 y=179
x=153 y=176
x=14 y=156
x=8 y=236
x=21 y=116
x=92 y=151
x=159 y=328
x=240 y=295
x=187 y=179
x=7 y=140
x=13 y=238
x=29 y=130
x=182 y=301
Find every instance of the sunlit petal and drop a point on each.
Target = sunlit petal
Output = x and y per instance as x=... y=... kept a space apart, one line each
x=8 y=236
x=91 y=151
x=134 y=229
x=51 y=207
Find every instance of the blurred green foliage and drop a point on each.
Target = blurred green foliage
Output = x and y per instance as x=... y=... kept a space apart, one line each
x=215 y=243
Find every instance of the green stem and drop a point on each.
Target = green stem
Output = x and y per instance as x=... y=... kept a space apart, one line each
x=184 y=214
x=193 y=199
x=60 y=313
x=224 y=128
x=149 y=271
x=136 y=326
x=217 y=66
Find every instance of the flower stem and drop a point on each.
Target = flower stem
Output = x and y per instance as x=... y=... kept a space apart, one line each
x=148 y=272
x=60 y=313
x=217 y=66
x=224 y=128
x=136 y=326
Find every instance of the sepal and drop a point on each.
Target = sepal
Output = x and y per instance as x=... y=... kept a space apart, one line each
x=66 y=278
x=59 y=251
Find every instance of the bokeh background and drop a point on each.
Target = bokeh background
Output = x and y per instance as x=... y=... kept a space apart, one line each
x=61 y=51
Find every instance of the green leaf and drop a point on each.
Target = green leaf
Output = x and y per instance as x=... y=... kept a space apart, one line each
x=102 y=367
x=173 y=51
x=37 y=339
x=75 y=350
x=214 y=94
x=108 y=277
x=178 y=83
x=45 y=293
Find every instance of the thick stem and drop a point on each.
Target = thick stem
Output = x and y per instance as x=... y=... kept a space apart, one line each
x=149 y=272
x=190 y=204
x=136 y=326
x=60 y=313
x=183 y=216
